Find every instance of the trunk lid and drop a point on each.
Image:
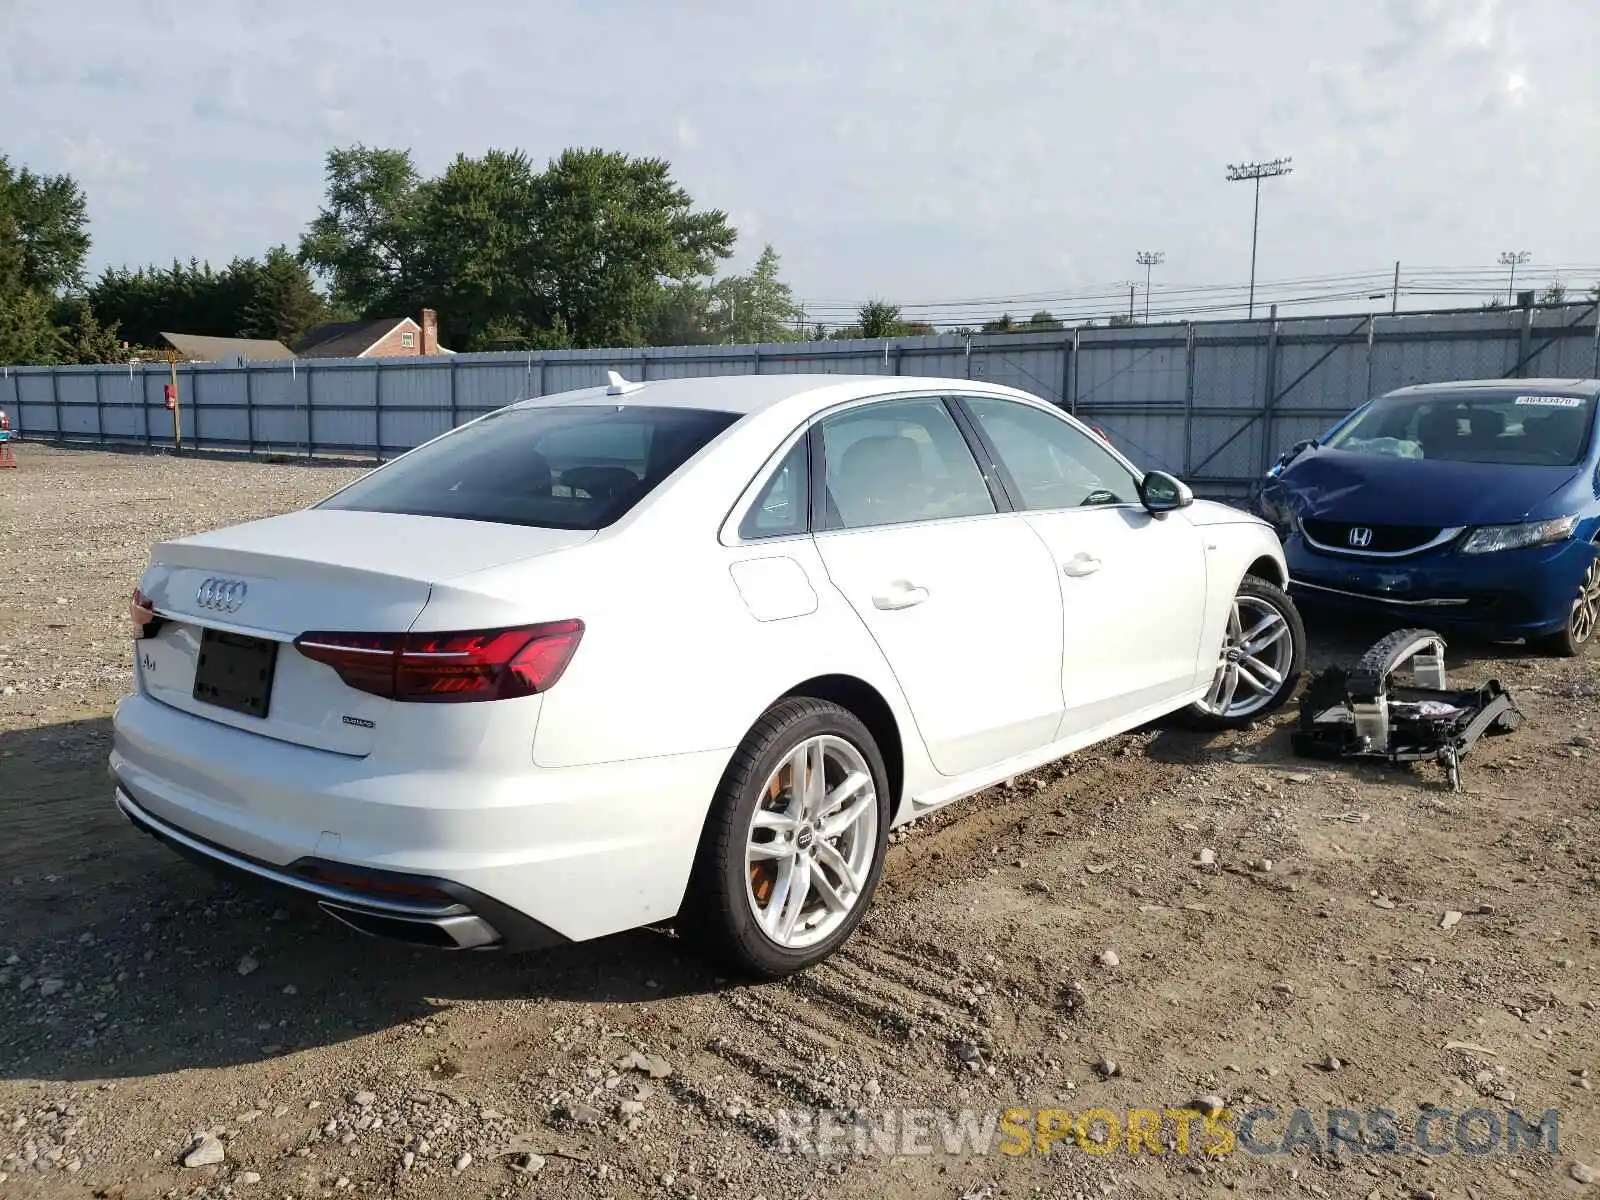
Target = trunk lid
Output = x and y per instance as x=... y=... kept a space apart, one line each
x=270 y=581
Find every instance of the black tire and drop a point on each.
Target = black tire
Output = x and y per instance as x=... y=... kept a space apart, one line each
x=1196 y=717
x=1575 y=637
x=716 y=914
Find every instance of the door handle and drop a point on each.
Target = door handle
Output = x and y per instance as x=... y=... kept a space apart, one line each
x=901 y=593
x=1080 y=565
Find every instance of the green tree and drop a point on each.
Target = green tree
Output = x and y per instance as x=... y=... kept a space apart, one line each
x=1004 y=323
x=44 y=238
x=878 y=319
x=608 y=232
x=1044 y=319
x=1555 y=293
x=285 y=303
x=81 y=338
x=364 y=239
x=593 y=250
x=44 y=234
x=475 y=246
x=190 y=297
x=683 y=314
x=27 y=335
x=754 y=307
x=761 y=305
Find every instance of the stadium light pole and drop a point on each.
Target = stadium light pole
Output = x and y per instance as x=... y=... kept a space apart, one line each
x=1257 y=171
x=1148 y=259
x=1512 y=258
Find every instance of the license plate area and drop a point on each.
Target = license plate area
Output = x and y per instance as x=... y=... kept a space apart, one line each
x=234 y=671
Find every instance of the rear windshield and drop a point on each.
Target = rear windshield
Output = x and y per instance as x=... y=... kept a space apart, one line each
x=561 y=468
x=1503 y=428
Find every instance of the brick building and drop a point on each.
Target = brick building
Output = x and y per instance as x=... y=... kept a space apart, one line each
x=378 y=337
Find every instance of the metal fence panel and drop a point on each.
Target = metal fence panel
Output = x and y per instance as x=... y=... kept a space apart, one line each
x=1229 y=375
x=216 y=408
x=36 y=399
x=75 y=392
x=1213 y=400
x=1229 y=450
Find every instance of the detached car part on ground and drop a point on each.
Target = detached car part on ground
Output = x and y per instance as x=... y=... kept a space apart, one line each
x=683 y=649
x=1368 y=713
x=1470 y=506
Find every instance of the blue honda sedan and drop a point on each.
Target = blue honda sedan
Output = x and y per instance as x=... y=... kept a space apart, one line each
x=1471 y=506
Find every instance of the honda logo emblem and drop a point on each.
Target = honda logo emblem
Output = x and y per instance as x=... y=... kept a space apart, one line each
x=221 y=595
x=1360 y=536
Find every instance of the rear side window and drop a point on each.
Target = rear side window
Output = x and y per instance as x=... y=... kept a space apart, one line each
x=897 y=461
x=780 y=510
x=580 y=467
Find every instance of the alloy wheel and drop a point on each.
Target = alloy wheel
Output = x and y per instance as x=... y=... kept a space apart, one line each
x=1257 y=655
x=1586 y=608
x=811 y=840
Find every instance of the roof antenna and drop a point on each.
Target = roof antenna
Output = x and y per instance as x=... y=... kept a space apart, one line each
x=616 y=385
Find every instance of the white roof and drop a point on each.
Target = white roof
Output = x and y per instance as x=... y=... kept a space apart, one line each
x=756 y=393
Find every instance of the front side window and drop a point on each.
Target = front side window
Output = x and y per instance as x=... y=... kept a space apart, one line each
x=1051 y=463
x=579 y=467
x=1500 y=428
x=898 y=461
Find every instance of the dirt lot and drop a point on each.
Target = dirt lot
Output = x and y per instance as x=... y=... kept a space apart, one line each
x=143 y=1005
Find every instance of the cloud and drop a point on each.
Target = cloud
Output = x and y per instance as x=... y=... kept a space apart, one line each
x=911 y=150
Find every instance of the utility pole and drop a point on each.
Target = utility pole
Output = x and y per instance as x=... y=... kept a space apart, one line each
x=1257 y=171
x=1148 y=259
x=1512 y=258
x=1131 y=288
x=1394 y=296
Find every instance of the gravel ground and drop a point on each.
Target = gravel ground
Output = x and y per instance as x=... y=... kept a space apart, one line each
x=1164 y=919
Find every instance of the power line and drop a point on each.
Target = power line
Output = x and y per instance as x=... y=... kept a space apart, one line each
x=1096 y=301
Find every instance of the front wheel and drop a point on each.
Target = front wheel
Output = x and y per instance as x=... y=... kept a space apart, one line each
x=1263 y=652
x=1582 y=621
x=793 y=847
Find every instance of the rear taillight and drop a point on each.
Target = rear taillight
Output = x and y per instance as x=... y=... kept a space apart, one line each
x=484 y=664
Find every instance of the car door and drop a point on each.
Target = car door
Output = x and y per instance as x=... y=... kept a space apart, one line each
x=1133 y=584
x=959 y=594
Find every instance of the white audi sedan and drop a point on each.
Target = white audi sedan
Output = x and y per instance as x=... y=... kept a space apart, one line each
x=681 y=649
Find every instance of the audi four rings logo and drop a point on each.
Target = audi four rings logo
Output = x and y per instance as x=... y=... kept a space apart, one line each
x=1360 y=536
x=221 y=595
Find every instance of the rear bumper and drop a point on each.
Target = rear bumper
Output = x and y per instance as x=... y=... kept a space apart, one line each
x=460 y=919
x=522 y=858
x=1515 y=593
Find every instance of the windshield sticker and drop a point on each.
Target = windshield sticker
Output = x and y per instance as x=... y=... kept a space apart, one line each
x=1551 y=401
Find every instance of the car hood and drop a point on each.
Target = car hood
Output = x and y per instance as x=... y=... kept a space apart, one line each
x=1378 y=489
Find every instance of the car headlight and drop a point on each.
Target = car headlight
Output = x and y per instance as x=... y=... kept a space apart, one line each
x=1517 y=537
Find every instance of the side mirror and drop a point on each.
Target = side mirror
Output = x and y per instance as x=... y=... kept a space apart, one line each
x=1160 y=492
x=1292 y=453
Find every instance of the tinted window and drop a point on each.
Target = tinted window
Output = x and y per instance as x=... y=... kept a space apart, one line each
x=1051 y=463
x=780 y=509
x=564 y=468
x=899 y=461
x=1504 y=428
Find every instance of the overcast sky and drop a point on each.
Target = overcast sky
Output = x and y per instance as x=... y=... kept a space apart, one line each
x=915 y=151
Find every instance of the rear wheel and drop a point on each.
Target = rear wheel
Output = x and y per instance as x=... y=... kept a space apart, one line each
x=1263 y=652
x=1582 y=621
x=793 y=847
